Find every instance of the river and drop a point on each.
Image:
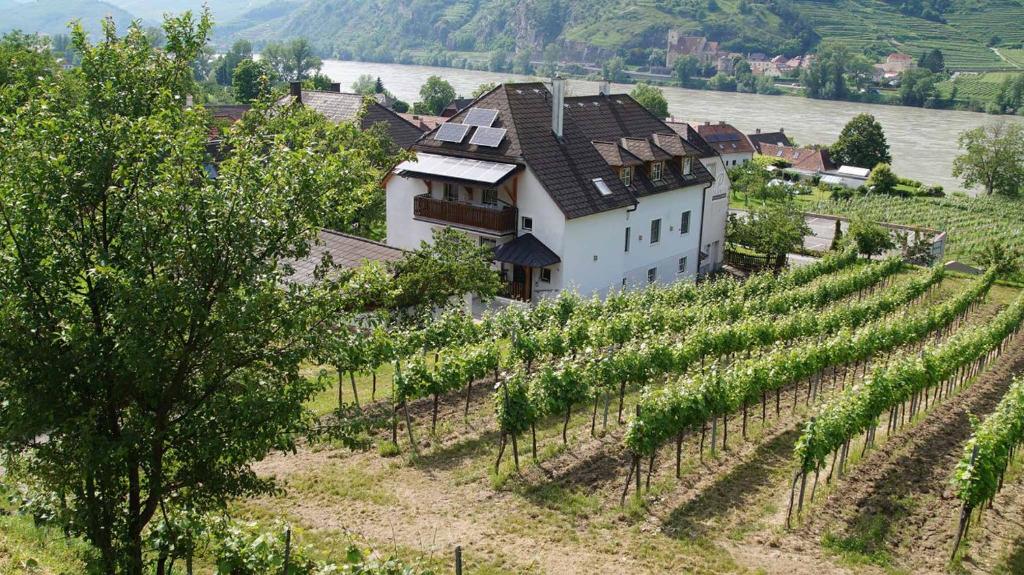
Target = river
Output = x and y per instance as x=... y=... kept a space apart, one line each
x=923 y=142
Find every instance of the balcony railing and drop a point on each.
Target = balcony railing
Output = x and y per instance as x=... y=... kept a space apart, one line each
x=497 y=220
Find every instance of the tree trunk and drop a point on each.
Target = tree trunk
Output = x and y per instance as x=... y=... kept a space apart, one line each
x=352 y=379
x=622 y=399
x=433 y=420
x=565 y=426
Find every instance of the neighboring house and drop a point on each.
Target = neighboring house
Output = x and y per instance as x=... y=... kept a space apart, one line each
x=423 y=122
x=345 y=250
x=768 y=68
x=457 y=105
x=727 y=141
x=699 y=47
x=778 y=138
x=899 y=62
x=801 y=162
x=339 y=106
x=849 y=176
x=591 y=193
x=716 y=201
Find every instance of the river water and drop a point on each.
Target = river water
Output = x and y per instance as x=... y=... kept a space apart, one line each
x=923 y=142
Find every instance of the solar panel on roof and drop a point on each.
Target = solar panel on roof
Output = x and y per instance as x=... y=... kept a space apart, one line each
x=454 y=133
x=480 y=117
x=489 y=137
x=711 y=138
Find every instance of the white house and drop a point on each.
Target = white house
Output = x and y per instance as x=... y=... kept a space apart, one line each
x=591 y=193
x=848 y=176
x=728 y=142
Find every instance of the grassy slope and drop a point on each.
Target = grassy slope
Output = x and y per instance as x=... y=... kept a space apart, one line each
x=25 y=548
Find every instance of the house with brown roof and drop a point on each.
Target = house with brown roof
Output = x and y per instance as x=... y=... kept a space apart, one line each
x=759 y=137
x=731 y=144
x=706 y=51
x=592 y=193
x=338 y=106
x=803 y=162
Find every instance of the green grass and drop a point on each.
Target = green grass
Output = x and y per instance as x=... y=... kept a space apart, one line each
x=864 y=545
x=28 y=549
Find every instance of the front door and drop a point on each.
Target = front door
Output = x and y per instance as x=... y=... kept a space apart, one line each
x=521 y=283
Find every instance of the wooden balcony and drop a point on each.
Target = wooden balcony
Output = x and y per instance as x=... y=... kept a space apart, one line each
x=499 y=220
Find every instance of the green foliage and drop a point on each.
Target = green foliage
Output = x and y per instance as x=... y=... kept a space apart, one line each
x=224 y=66
x=932 y=60
x=870 y=238
x=165 y=356
x=775 y=229
x=858 y=408
x=652 y=98
x=685 y=68
x=882 y=180
x=1005 y=259
x=483 y=89
x=293 y=60
x=861 y=143
x=826 y=77
x=917 y=87
x=252 y=81
x=614 y=70
x=993 y=158
x=25 y=64
x=722 y=82
x=988 y=453
x=435 y=95
x=452 y=265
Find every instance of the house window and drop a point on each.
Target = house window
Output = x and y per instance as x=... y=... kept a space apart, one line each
x=451 y=192
x=687 y=166
x=682 y=265
x=626 y=174
x=545 y=275
x=652 y=275
x=684 y=223
x=489 y=196
x=656 y=169
x=627 y=240
x=527 y=223
x=655 y=231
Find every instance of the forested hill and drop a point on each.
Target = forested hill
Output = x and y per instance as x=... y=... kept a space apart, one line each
x=586 y=30
x=51 y=17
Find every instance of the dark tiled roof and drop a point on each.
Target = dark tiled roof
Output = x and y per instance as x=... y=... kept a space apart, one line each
x=231 y=112
x=345 y=107
x=345 y=250
x=724 y=138
x=425 y=123
x=778 y=138
x=526 y=250
x=645 y=149
x=691 y=136
x=456 y=106
x=566 y=167
x=615 y=155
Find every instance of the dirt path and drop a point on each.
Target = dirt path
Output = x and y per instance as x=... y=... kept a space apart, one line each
x=898 y=504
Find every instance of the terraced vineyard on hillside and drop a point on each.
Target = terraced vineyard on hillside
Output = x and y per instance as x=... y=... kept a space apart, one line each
x=715 y=387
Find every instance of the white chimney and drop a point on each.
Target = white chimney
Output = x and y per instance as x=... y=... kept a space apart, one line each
x=557 y=105
x=604 y=89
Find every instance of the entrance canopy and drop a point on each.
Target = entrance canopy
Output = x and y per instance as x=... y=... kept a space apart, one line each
x=526 y=251
x=455 y=168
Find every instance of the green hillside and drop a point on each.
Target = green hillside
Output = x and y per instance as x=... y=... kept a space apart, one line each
x=965 y=30
x=223 y=10
x=52 y=16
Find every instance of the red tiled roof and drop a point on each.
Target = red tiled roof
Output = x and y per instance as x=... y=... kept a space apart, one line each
x=724 y=138
x=809 y=159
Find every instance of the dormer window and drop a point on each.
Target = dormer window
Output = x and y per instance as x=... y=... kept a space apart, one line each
x=626 y=175
x=656 y=171
x=687 y=165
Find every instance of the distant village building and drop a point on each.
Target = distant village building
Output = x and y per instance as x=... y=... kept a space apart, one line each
x=848 y=176
x=758 y=138
x=730 y=143
x=592 y=193
x=801 y=162
x=706 y=51
x=895 y=64
x=339 y=106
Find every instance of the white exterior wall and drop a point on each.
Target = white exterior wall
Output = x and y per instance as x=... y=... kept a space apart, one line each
x=715 y=213
x=739 y=159
x=403 y=231
x=549 y=226
x=603 y=235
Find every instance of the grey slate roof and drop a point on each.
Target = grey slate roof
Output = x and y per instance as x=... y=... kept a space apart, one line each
x=691 y=136
x=526 y=250
x=616 y=155
x=345 y=250
x=345 y=107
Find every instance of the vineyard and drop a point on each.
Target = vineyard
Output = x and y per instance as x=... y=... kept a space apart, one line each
x=721 y=427
x=970 y=222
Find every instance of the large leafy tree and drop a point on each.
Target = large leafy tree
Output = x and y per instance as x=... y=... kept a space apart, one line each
x=993 y=158
x=652 y=98
x=449 y=266
x=435 y=95
x=826 y=77
x=294 y=60
x=251 y=81
x=861 y=143
x=775 y=229
x=870 y=238
x=26 y=62
x=149 y=347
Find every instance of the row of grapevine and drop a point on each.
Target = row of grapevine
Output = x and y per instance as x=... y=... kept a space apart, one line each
x=557 y=387
x=979 y=475
x=891 y=388
x=669 y=412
